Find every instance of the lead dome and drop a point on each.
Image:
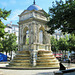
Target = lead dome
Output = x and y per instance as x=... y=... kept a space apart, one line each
x=34 y=7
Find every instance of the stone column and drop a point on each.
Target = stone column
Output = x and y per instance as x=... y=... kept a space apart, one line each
x=34 y=32
x=22 y=34
x=19 y=37
x=30 y=34
x=47 y=38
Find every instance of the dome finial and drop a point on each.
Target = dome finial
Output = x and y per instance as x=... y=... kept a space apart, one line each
x=34 y=2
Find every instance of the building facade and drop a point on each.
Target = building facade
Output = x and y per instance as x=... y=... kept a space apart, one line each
x=12 y=28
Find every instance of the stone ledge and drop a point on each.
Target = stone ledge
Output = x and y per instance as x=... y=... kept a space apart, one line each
x=65 y=72
x=33 y=68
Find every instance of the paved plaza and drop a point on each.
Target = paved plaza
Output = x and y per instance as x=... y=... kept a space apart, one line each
x=31 y=72
x=28 y=72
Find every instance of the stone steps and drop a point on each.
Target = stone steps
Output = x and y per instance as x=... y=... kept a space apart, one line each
x=23 y=52
x=22 y=59
x=19 y=64
x=45 y=54
x=46 y=59
x=22 y=55
x=50 y=66
x=47 y=63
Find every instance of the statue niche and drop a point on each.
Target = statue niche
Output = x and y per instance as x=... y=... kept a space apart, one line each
x=26 y=36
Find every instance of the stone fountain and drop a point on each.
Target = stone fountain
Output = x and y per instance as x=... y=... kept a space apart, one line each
x=34 y=41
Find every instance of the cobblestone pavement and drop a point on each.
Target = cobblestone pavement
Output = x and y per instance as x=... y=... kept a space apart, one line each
x=28 y=72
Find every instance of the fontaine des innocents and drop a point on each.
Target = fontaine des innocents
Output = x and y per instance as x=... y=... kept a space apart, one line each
x=34 y=41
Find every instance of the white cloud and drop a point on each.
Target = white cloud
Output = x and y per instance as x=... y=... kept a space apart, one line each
x=13 y=17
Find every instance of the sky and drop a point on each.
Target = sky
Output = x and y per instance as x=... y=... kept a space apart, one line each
x=18 y=6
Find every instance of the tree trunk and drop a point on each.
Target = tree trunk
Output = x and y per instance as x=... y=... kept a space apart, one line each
x=55 y=52
x=11 y=55
x=65 y=52
x=6 y=52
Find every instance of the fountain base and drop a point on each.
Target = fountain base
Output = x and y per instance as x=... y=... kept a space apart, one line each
x=45 y=59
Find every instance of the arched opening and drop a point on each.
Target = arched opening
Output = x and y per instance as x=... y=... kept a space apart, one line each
x=24 y=41
x=26 y=36
x=41 y=37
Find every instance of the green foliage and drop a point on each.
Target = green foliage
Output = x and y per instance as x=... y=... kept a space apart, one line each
x=9 y=43
x=72 y=42
x=3 y=15
x=27 y=41
x=62 y=16
x=54 y=44
x=66 y=43
x=1 y=46
x=63 y=43
x=12 y=42
x=2 y=27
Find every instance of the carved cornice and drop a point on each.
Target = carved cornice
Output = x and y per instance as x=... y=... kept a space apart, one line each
x=32 y=19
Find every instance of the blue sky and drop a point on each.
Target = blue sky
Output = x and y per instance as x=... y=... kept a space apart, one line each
x=17 y=6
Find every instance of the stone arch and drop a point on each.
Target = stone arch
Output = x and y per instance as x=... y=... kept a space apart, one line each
x=26 y=36
x=42 y=28
x=25 y=29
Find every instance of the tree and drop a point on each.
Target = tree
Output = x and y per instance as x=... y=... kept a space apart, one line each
x=9 y=43
x=12 y=43
x=54 y=44
x=5 y=43
x=1 y=46
x=3 y=15
x=71 y=42
x=62 y=16
x=63 y=44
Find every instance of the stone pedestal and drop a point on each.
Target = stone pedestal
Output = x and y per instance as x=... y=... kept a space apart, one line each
x=34 y=58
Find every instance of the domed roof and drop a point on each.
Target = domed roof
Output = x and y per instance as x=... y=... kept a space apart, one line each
x=34 y=7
